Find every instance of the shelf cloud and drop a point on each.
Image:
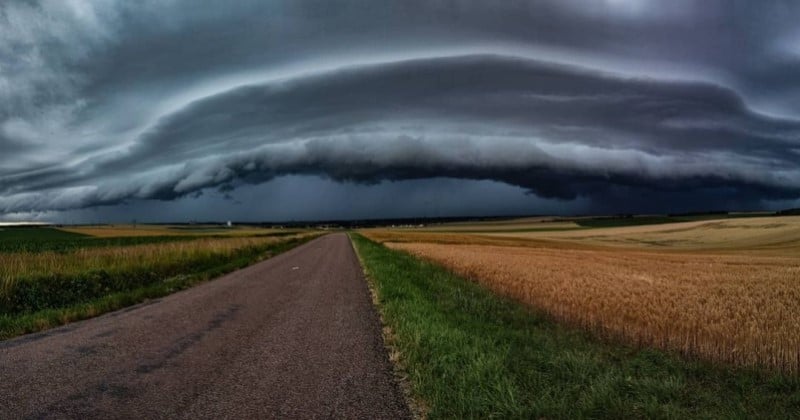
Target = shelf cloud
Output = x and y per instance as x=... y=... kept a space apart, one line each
x=623 y=102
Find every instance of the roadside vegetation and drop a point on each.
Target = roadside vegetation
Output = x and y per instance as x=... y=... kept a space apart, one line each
x=54 y=284
x=471 y=353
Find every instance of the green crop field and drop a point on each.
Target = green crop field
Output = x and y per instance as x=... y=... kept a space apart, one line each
x=40 y=239
x=36 y=234
x=47 y=239
x=50 y=276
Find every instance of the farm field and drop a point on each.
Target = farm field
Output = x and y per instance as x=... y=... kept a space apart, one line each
x=39 y=239
x=42 y=239
x=471 y=353
x=722 y=290
x=110 y=231
x=51 y=276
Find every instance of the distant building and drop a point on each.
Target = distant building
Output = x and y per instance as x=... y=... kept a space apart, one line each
x=229 y=224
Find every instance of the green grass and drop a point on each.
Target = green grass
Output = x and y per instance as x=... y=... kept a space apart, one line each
x=36 y=304
x=471 y=354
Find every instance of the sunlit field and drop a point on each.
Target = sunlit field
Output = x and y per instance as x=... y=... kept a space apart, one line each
x=725 y=290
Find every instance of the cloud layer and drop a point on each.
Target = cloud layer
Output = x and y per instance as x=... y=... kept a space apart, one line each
x=113 y=105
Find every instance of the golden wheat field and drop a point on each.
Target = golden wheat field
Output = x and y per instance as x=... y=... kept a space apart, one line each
x=25 y=264
x=723 y=290
x=771 y=235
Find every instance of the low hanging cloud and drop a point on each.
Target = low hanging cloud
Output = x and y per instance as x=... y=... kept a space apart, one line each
x=558 y=131
x=618 y=103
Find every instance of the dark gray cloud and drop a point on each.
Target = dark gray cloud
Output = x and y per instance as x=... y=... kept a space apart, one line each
x=298 y=198
x=618 y=103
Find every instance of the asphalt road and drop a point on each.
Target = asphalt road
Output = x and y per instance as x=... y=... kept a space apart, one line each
x=295 y=336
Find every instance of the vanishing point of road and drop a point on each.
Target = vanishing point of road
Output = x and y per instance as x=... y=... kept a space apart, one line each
x=295 y=336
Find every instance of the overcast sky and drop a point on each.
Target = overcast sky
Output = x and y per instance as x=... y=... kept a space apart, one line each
x=319 y=109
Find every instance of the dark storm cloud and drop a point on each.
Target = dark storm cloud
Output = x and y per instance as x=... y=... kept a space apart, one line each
x=626 y=101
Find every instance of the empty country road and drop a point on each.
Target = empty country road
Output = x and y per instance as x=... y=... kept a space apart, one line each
x=295 y=336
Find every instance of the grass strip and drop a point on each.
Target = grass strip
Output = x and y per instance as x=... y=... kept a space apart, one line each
x=471 y=354
x=15 y=324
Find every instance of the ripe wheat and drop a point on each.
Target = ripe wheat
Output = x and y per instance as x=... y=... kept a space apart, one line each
x=737 y=308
